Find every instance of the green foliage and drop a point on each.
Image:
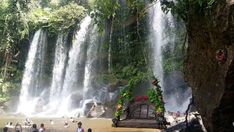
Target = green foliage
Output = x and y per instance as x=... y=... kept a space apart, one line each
x=136 y=73
x=10 y=85
x=154 y=95
x=13 y=24
x=105 y=78
x=91 y=4
x=184 y=8
x=104 y=10
x=135 y=5
x=173 y=60
x=66 y=17
x=151 y=95
x=38 y=18
x=126 y=96
x=107 y=10
x=18 y=18
x=61 y=19
x=156 y=98
x=127 y=46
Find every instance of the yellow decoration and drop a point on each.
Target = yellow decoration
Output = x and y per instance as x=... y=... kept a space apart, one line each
x=119 y=106
x=159 y=110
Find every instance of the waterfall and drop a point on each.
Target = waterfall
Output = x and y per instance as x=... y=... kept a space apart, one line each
x=30 y=86
x=72 y=81
x=160 y=23
x=58 y=70
x=90 y=62
x=156 y=40
x=72 y=75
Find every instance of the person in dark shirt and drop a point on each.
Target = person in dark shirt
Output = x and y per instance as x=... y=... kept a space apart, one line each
x=34 y=128
x=89 y=130
x=18 y=127
x=5 y=129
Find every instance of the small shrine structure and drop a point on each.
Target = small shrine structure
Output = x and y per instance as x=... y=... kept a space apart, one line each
x=141 y=111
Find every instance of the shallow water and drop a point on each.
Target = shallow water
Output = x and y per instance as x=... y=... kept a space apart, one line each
x=97 y=125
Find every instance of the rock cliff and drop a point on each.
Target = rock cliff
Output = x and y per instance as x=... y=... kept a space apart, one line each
x=212 y=81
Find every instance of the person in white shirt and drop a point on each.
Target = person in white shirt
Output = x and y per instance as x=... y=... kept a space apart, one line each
x=66 y=125
x=42 y=128
x=80 y=129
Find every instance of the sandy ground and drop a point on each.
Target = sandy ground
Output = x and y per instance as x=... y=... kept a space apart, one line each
x=97 y=125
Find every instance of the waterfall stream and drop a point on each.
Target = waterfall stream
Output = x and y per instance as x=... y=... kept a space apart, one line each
x=72 y=82
x=159 y=24
x=58 y=71
x=30 y=91
x=157 y=40
x=90 y=61
x=69 y=79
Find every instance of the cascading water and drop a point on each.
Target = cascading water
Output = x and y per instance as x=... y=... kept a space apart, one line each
x=74 y=68
x=156 y=40
x=159 y=23
x=90 y=61
x=58 y=71
x=71 y=81
x=91 y=66
x=30 y=91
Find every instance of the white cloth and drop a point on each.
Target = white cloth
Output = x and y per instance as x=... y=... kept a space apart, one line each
x=80 y=130
x=18 y=128
x=41 y=130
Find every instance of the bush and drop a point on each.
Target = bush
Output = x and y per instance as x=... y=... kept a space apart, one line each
x=61 y=19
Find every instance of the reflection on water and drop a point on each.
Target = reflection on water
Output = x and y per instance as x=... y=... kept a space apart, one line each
x=97 y=125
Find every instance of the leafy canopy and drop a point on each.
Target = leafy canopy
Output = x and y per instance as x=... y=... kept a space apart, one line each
x=61 y=19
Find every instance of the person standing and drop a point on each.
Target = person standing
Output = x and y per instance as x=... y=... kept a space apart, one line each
x=80 y=129
x=34 y=128
x=5 y=129
x=89 y=130
x=42 y=128
x=18 y=127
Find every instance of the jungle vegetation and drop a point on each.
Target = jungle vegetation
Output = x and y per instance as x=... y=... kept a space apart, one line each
x=124 y=23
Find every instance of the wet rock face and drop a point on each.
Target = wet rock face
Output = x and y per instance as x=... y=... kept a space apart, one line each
x=212 y=81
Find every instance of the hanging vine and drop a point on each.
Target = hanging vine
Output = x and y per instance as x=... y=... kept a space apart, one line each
x=156 y=97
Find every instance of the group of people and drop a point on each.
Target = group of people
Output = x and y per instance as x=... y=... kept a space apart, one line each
x=18 y=127
x=79 y=128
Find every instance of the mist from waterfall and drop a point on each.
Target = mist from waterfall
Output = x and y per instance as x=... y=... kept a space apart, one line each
x=159 y=39
x=30 y=86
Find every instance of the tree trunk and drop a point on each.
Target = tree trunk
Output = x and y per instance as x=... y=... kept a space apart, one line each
x=7 y=58
x=110 y=46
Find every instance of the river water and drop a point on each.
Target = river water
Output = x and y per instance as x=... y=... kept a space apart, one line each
x=97 y=125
